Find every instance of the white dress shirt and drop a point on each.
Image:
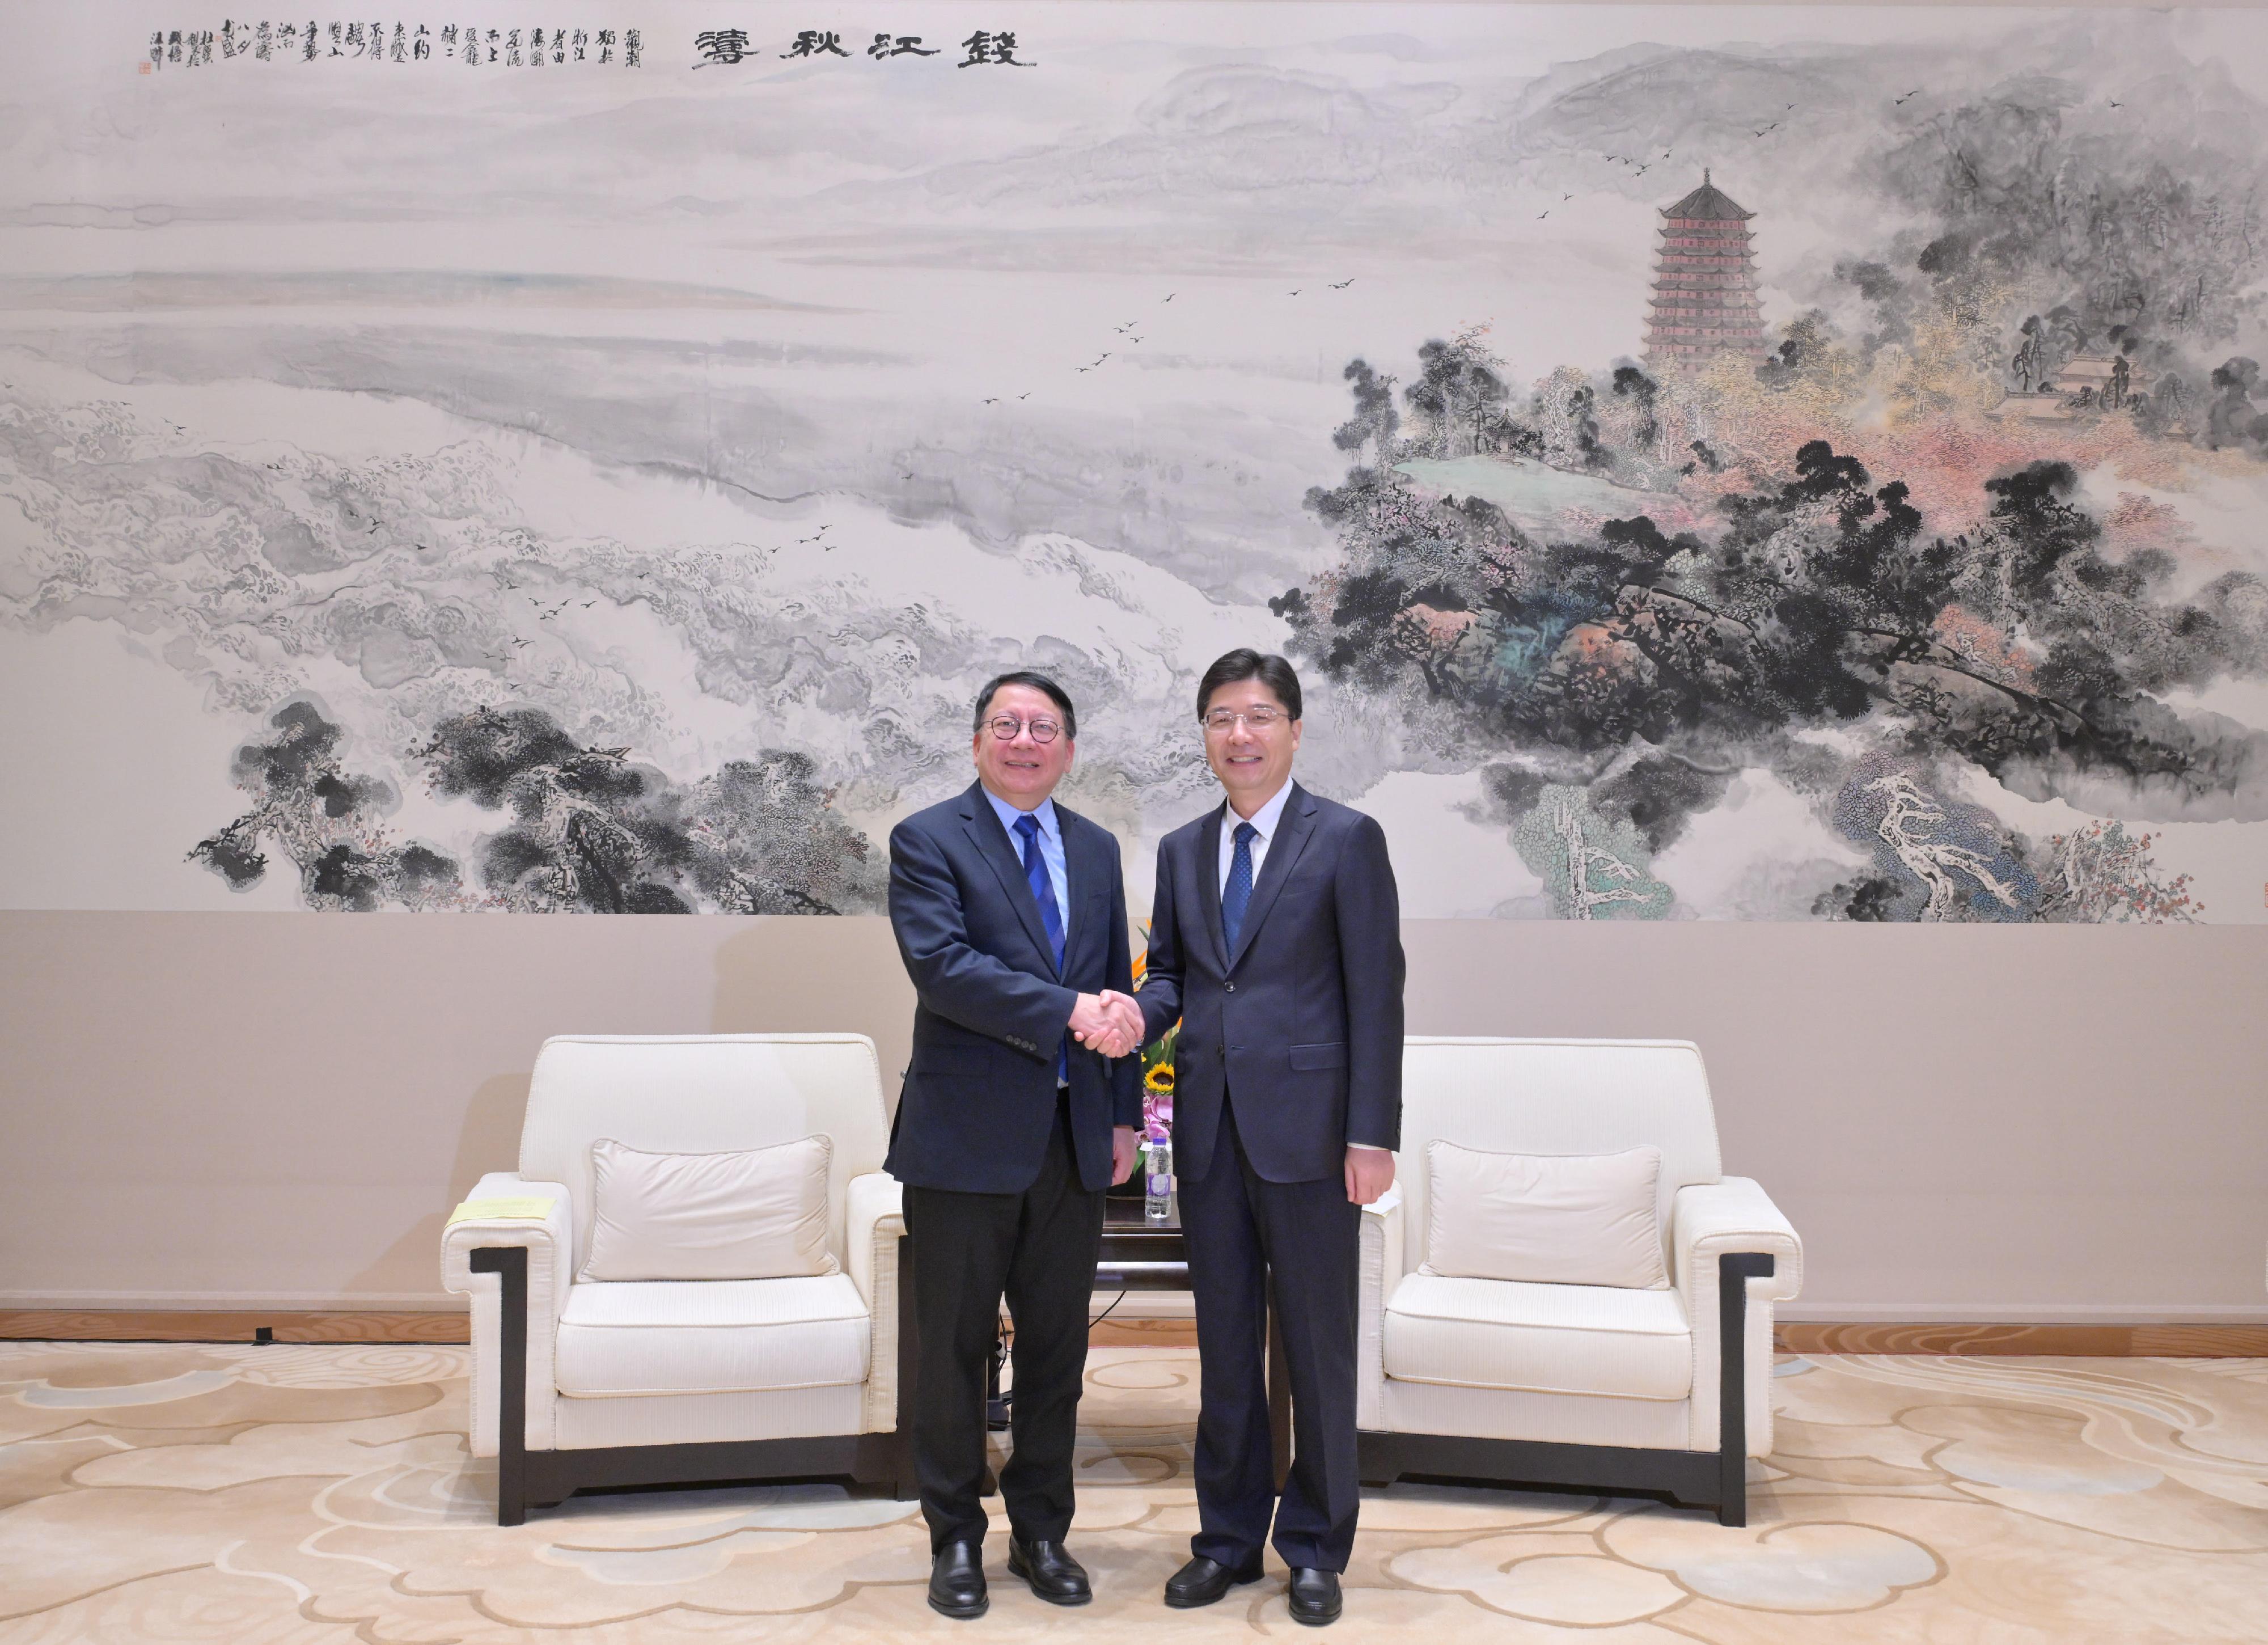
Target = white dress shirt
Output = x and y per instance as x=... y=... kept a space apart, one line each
x=1266 y=820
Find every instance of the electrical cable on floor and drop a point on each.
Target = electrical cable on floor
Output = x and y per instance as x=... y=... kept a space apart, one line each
x=998 y=1406
x=999 y=1401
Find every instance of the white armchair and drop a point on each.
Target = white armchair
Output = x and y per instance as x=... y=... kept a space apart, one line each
x=647 y=1383
x=1593 y=1387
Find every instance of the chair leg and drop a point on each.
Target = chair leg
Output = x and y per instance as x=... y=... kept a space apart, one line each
x=1733 y=1272
x=1373 y=1469
x=509 y=1262
x=907 y=1482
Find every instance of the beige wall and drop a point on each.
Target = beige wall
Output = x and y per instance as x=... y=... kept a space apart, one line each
x=2029 y=1123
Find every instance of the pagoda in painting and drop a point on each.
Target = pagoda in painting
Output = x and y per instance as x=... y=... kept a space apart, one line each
x=1704 y=287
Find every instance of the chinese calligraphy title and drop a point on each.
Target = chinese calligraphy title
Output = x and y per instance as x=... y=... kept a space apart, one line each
x=723 y=47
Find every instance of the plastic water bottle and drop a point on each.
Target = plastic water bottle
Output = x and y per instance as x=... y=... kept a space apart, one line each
x=1157 y=1182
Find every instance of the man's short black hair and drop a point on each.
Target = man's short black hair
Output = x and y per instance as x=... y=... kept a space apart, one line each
x=1244 y=663
x=1055 y=693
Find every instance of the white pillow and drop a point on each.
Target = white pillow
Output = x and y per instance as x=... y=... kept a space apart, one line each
x=760 y=1215
x=1559 y=1218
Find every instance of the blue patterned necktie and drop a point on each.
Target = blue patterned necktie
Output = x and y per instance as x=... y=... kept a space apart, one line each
x=1238 y=896
x=1044 y=891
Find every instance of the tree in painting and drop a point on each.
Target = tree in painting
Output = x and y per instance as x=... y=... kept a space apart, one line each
x=1594 y=867
x=329 y=822
x=592 y=831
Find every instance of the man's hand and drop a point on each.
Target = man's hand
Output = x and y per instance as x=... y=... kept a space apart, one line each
x=1130 y=1015
x=1369 y=1173
x=1099 y=1021
x=1122 y=1153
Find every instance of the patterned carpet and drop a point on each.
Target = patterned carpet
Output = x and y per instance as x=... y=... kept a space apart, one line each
x=252 y=1496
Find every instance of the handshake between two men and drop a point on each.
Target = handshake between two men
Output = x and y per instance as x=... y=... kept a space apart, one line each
x=1109 y=1022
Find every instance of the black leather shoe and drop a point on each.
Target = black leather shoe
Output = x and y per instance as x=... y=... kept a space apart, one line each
x=956 y=1583
x=1314 y=1596
x=1054 y=1576
x=1202 y=1581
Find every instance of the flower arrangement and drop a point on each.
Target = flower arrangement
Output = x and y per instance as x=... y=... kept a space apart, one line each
x=1158 y=1085
x=1157 y=1062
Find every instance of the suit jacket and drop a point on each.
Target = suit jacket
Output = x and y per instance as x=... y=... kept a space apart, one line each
x=1303 y=1022
x=979 y=1096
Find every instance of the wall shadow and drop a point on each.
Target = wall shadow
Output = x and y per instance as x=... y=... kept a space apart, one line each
x=817 y=974
x=489 y=1140
x=412 y=1263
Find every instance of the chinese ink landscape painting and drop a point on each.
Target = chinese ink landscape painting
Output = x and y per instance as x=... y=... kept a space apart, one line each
x=1708 y=462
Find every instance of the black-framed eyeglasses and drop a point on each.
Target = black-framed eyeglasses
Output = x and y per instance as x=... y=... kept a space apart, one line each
x=1223 y=719
x=1007 y=727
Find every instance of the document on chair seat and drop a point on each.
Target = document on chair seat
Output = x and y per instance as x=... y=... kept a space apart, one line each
x=533 y=1206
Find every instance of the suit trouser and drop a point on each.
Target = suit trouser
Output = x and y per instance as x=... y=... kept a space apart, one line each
x=1039 y=1249
x=1243 y=1230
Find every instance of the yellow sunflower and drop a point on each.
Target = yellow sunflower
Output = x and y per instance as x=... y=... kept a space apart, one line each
x=1161 y=1079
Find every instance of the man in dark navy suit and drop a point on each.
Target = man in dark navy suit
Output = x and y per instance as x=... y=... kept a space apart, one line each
x=1276 y=942
x=1018 y=1110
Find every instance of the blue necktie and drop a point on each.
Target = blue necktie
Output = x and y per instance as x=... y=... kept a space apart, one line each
x=1238 y=897
x=1044 y=891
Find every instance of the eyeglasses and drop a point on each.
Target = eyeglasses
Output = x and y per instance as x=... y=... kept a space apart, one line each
x=1007 y=727
x=1261 y=720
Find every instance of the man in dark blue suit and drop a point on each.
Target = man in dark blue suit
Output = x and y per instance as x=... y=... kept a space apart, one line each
x=1018 y=1110
x=1276 y=942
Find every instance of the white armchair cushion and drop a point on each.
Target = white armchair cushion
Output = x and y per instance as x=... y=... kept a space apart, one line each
x=1617 y=1341
x=733 y=1336
x=758 y=1213
x=1566 y=1219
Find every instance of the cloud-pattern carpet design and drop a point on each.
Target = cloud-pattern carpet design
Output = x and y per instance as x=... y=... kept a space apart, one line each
x=256 y=1495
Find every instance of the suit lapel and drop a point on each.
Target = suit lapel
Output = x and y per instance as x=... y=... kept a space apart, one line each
x=1293 y=830
x=1087 y=870
x=1209 y=883
x=983 y=826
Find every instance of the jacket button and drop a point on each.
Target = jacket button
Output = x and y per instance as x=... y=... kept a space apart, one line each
x=1229 y=988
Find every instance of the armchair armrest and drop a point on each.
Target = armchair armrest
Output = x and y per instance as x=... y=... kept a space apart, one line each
x=873 y=1222
x=1379 y=1268
x=1709 y=1223
x=506 y=1210
x=1712 y=1220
